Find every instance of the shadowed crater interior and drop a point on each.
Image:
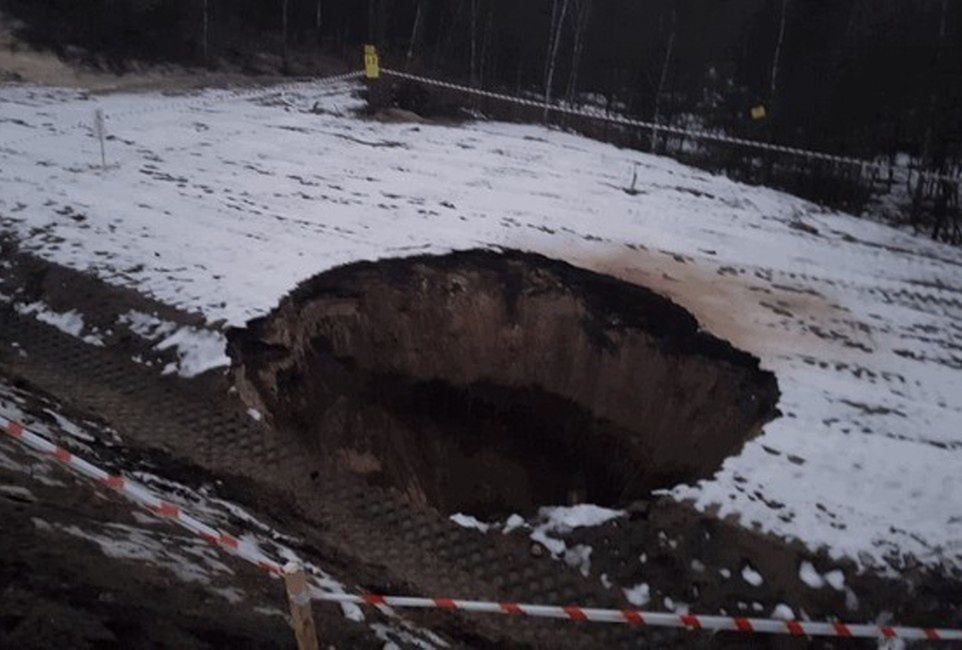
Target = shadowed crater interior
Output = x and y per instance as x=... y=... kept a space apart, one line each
x=488 y=382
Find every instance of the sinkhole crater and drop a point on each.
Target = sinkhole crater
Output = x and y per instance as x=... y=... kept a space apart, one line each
x=492 y=382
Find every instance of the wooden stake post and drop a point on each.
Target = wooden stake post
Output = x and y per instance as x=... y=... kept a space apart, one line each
x=300 y=599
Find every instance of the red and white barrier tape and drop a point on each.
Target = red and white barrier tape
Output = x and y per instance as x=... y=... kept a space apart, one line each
x=144 y=497
x=656 y=619
x=249 y=552
x=667 y=128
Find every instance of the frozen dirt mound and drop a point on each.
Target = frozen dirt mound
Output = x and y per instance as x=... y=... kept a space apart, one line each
x=489 y=383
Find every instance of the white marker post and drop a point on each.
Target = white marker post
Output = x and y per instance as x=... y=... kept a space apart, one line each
x=100 y=132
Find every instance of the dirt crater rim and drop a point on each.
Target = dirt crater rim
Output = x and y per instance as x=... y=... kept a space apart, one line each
x=491 y=382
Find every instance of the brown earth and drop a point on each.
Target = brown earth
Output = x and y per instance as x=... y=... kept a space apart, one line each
x=491 y=383
x=721 y=298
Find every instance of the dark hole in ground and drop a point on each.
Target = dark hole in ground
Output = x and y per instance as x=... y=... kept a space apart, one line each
x=490 y=383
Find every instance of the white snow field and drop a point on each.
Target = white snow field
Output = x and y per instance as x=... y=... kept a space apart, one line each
x=220 y=204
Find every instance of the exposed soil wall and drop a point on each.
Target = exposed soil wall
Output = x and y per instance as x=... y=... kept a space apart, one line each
x=488 y=383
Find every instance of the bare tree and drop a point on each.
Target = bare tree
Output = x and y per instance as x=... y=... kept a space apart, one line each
x=577 y=48
x=547 y=56
x=446 y=36
x=371 y=20
x=206 y=38
x=415 y=31
x=474 y=42
x=317 y=20
x=928 y=157
x=776 y=58
x=554 y=41
x=662 y=79
x=284 y=7
x=485 y=43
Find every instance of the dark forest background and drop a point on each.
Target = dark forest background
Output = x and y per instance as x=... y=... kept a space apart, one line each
x=876 y=79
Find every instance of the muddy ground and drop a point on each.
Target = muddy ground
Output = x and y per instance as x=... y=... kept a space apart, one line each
x=62 y=591
x=687 y=558
x=78 y=567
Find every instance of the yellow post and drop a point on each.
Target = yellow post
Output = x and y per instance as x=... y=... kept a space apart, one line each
x=300 y=599
x=372 y=68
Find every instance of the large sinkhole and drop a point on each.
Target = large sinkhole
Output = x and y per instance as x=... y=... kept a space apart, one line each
x=488 y=382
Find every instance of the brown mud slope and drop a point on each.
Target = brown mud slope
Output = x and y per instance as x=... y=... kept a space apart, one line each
x=489 y=382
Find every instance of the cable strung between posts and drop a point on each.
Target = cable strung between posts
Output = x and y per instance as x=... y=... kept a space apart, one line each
x=675 y=130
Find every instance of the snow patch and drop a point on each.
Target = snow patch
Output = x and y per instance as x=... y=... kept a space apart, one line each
x=555 y=546
x=189 y=560
x=17 y=493
x=811 y=577
x=564 y=519
x=395 y=639
x=198 y=350
x=467 y=521
x=751 y=576
x=835 y=579
x=69 y=322
x=552 y=521
x=579 y=557
x=639 y=595
x=512 y=523
x=146 y=326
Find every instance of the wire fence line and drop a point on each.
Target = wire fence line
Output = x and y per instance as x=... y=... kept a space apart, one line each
x=930 y=199
x=657 y=128
x=654 y=127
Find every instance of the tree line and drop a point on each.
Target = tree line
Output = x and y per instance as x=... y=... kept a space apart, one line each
x=877 y=79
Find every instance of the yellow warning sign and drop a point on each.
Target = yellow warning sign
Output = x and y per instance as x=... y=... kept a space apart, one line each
x=759 y=112
x=372 y=69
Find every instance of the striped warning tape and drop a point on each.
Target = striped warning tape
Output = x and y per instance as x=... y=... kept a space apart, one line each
x=667 y=128
x=558 y=108
x=655 y=619
x=141 y=495
x=249 y=552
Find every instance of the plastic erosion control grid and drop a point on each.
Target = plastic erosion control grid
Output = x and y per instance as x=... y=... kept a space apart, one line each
x=251 y=553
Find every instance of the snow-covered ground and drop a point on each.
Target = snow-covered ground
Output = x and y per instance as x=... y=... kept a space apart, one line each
x=197 y=349
x=221 y=205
